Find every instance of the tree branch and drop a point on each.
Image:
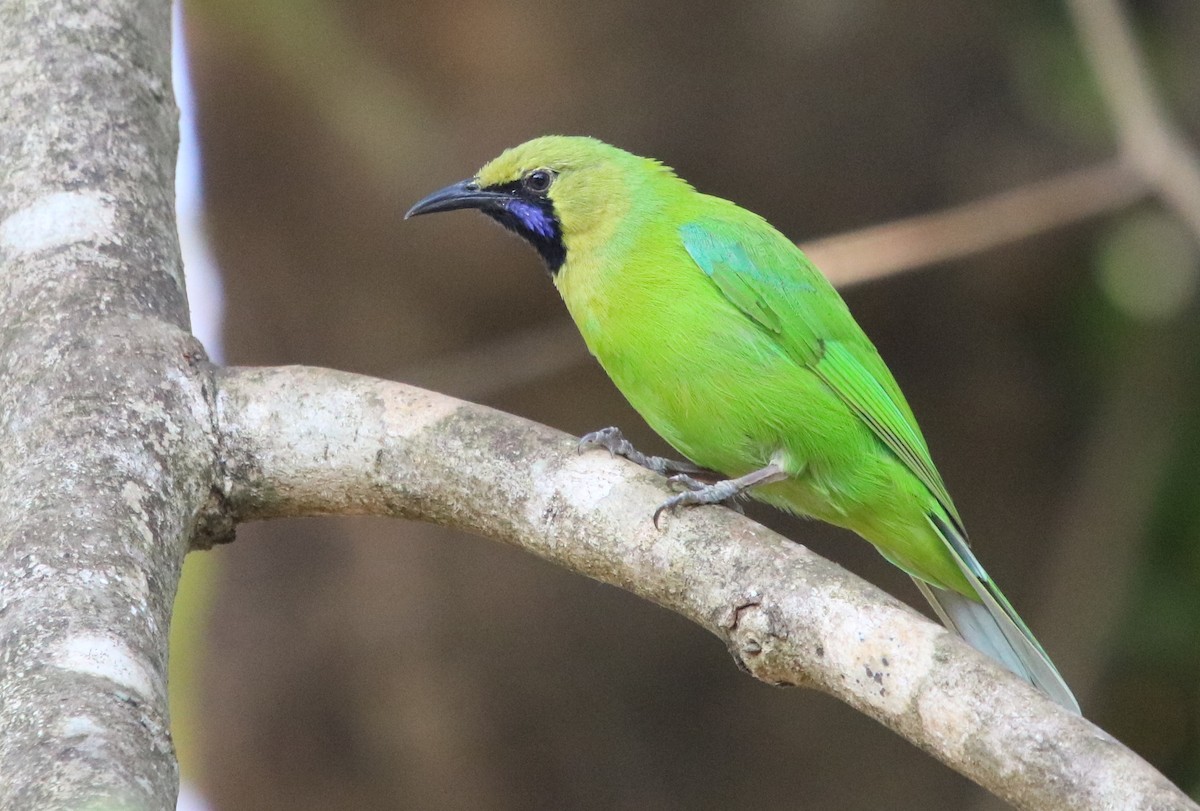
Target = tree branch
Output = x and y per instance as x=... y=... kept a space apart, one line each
x=892 y=247
x=302 y=441
x=1150 y=143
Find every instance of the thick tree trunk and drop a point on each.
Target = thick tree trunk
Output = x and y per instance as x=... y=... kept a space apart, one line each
x=106 y=462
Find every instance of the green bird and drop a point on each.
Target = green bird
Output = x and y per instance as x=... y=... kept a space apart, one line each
x=742 y=356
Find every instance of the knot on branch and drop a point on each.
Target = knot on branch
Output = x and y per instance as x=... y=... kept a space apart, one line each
x=215 y=523
x=752 y=634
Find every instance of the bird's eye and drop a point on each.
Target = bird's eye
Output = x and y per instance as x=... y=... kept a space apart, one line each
x=538 y=181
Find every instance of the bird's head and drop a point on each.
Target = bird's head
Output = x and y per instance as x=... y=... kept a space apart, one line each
x=561 y=193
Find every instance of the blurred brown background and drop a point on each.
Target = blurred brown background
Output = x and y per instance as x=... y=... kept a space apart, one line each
x=377 y=665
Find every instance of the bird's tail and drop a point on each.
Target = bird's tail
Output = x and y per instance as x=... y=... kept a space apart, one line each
x=991 y=625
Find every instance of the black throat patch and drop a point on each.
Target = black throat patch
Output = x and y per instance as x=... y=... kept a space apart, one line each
x=533 y=218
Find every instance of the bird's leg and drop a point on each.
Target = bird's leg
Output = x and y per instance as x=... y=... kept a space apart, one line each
x=722 y=492
x=615 y=442
x=682 y=481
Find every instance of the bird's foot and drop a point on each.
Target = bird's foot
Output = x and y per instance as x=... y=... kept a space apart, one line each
x=723 y=492
x=612 y=440
x=697 y=492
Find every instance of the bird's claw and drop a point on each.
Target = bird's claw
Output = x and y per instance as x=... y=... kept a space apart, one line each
x=679 y=474
x=669 y=506
x=697 y=493
x=685 y=483
x=611 y=439
x=616 y=444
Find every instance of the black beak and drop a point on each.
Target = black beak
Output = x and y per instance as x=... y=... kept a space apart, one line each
x=466 y=194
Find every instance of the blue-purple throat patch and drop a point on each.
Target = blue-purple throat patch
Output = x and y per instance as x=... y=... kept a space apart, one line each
x=533 y=218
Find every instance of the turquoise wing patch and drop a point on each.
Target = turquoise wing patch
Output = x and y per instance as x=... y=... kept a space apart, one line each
x=771 y=281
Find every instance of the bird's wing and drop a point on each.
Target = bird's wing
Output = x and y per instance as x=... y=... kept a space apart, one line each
x=770 y=280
